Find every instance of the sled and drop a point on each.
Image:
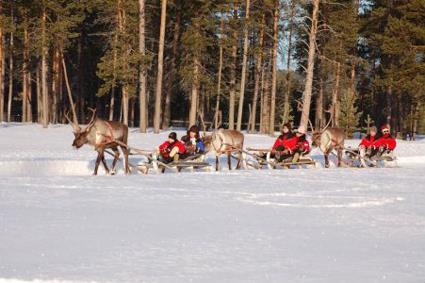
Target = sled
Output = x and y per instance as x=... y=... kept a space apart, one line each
x=386 y=159
x=193 y=162
x=272 y=163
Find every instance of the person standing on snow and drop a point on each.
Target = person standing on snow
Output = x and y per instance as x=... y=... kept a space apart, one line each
x=171 y=149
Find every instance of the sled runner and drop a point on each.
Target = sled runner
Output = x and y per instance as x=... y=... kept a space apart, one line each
x=263 y=158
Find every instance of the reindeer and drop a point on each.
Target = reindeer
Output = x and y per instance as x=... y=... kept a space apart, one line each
x=225 y=141
x=102 y=135
x=327 y=140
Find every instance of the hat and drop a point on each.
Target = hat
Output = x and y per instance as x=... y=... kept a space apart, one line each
x=385 y=128
x=172 y=136
x=301 y=130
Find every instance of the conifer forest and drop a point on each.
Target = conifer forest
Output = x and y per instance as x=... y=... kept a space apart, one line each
x=241 y=64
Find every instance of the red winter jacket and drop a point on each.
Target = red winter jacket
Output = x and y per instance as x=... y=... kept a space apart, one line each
x=289 y=142
x=386 y=141
x=304 y=146
x=368 y=141
x=166 y=147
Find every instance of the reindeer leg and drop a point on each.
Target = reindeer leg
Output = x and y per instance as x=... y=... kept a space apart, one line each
x=238 y=165
x=98 y=159
x=216 y=162
x=229 y=160
x=105 y=165
x=126 y=166
x=326 y=159
x=339 y=156
x=116 y=158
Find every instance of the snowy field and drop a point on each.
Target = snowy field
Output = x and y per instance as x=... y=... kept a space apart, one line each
x=60 y=224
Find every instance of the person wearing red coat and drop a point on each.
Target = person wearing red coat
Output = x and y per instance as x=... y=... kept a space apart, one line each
x=303 y=146
x=171 y=149
x=285 y=144
x=366 y=145
x=367 y=141
x=385 y=142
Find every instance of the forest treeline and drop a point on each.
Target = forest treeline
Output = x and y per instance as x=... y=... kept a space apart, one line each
x=238 y=64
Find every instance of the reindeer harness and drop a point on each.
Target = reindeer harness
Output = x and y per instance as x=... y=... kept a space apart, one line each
x=327 y=142
x=102 y=139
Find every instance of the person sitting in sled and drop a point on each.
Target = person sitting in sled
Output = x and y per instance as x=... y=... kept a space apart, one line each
x=172 y=149
x=366 y=148
x=285 y=145
x=385 y=143
x=192 y=141
x=303 y=146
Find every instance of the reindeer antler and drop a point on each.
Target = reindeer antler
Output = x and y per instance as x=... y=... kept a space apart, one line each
x=76 y=128
x=327 y=125
x=92 y=117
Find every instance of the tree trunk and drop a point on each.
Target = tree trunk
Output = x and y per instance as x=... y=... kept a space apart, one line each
x=310 y=66
x=195 y=82
x=39 y=94
x=124 y=90
x=319 y=106
x=335 y=97
x=55 y=83
x=244 y=65
x=263 y=71
x=29 y=99
x=81 y=113
x=142 y=71
x=158 y=94
x=194 y=93
x=286 y=104
x=266 y=94
x=10 y=96
x=258 y=73
x=220 y=70
x=68 y=88
x=232 y=86
x=114 y=77
x=2 y=66
x=44 y=67
x=274 y=68
x=415 y=121
x=172 y=70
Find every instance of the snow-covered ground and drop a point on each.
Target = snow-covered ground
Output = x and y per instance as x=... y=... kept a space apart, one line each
x=60 y=224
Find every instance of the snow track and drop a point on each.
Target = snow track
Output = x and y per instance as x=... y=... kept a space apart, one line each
x=59 y=224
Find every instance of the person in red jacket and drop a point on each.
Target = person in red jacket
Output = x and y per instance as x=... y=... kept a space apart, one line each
x=366 y=148
x=285 y=145
x=303 y=146
x=385 y=142
x=172 y=149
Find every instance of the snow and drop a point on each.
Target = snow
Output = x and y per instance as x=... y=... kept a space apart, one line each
x=60 y=224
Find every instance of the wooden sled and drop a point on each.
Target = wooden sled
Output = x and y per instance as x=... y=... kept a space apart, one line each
x=271 y=163
x=192 y=162
x=385 y=160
